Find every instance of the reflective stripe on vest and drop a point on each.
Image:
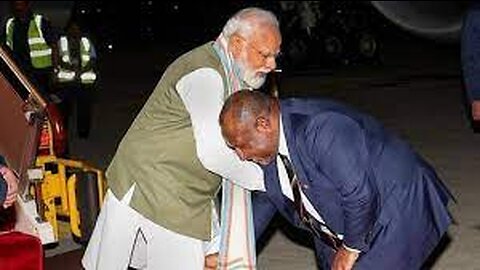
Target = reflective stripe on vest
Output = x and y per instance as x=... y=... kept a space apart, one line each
x=64 y=75
x=9 y=33
x=85 y=51
x=40 y=52
x=88 y=77
x=64 y=52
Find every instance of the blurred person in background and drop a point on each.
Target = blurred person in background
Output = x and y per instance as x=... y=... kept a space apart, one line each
x=76 y=76
x=32 y=41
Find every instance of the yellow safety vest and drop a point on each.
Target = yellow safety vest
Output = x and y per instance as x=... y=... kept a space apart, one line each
x=65 y=74
x=40 y=52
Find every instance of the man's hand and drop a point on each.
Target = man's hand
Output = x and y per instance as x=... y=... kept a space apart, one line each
x=476 y=110
x=12 y=186
x=344 y=259
x=211 y=261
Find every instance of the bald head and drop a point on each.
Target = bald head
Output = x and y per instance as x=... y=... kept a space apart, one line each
x=243 y=107
x=249 y=122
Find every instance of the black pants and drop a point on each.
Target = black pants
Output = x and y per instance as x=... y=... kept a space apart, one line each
x=324 y=254
x=76 y=105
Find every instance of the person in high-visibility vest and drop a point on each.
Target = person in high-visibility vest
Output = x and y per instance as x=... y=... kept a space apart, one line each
x=32 y=41
x=76 y=75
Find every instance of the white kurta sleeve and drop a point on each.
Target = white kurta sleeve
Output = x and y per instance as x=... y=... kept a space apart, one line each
x=202 y=93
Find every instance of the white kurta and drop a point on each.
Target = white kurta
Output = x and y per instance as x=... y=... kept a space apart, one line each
x=122 y=237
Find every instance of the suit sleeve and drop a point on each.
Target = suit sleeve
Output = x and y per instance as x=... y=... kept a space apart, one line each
x=263 y=212
x=3 y=183
x=470 y=53
x=338 y=147
x=3 y=189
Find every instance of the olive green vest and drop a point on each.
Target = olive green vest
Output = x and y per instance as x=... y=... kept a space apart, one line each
x=158 y=153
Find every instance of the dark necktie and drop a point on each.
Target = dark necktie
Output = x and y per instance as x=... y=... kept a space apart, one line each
x=297 y=198
x=310 y=222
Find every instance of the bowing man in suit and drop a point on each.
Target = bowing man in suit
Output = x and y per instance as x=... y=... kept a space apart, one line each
x=369 y=200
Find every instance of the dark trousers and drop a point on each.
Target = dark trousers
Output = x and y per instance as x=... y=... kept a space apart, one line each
x=324 y=254
x=76 y=105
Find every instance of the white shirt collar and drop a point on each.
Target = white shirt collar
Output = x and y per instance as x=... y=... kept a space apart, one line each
x=282 y=141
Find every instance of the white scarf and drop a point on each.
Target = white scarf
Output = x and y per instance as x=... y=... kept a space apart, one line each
x=237 y=239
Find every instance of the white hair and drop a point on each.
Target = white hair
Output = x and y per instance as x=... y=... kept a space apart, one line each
x=246 y=20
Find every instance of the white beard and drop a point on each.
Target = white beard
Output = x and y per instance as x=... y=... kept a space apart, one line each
x=254 y=79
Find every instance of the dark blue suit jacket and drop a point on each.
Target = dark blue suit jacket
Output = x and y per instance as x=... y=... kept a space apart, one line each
x=3 y=184
x=367 y=184
x=470 y=51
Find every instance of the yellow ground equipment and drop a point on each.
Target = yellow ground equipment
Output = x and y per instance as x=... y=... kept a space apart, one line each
x=69 y=190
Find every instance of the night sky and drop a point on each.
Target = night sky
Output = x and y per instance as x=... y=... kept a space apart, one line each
x=181 y=25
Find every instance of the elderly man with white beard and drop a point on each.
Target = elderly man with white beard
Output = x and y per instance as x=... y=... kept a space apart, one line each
x=159 y=210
